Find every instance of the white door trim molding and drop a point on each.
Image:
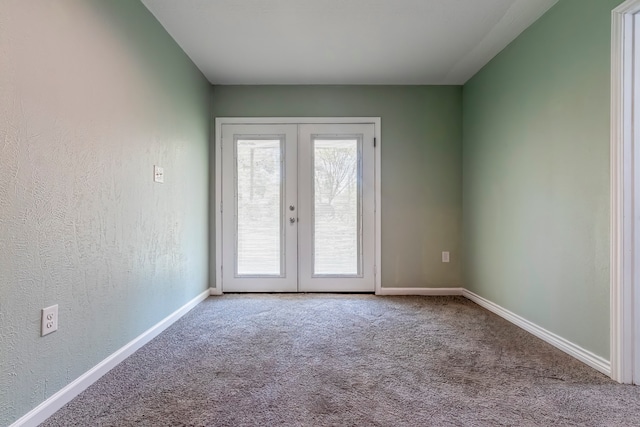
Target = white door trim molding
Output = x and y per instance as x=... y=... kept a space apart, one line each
x=623 y=242
x=219 y=121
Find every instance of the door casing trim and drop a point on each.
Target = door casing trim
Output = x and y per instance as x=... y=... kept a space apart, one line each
x=625 y=241
x=220 y=121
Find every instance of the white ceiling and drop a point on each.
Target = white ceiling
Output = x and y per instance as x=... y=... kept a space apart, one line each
x=344 y=41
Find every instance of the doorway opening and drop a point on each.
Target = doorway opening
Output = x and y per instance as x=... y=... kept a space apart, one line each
x=297 y=205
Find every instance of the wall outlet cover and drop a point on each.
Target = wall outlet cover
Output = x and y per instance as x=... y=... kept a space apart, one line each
x=49 y=320
x=158 y=174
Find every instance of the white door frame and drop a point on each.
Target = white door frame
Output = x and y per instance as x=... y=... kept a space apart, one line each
x=219 y=121
x=625 y=193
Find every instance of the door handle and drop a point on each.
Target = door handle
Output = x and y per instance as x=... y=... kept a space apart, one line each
x=292 y=220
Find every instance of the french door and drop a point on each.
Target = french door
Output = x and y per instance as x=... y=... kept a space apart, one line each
x=298 y=207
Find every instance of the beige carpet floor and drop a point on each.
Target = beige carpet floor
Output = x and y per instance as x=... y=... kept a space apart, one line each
x=349 y=360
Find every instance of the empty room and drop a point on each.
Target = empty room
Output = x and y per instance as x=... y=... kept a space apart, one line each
x=319 y=212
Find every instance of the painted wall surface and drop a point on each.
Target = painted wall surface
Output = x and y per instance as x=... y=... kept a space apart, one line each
x=92 y=95
x=536 y=174
x=421 y=164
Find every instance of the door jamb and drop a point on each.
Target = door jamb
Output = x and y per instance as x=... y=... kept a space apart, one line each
x=219 y=121
x=625 y=242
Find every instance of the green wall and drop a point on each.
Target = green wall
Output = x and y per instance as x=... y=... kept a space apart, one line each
x=97 y=93
x=536 y=174
x=421 y=164
x=93 y=93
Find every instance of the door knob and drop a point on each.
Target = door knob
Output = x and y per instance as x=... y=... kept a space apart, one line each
x=292 y=208
x=292 y=220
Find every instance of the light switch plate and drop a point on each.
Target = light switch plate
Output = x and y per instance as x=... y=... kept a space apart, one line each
x=158 y=174
x=445 y=256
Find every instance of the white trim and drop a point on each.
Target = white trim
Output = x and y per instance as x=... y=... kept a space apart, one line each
x=215 y=291
x=419 y=291
x=628 y=7
x=218 y=207
x=585 y=356
x=219 y=121
x=378 y=205
x=47 y=408
x=615 y=200
x=292 y=121
x=623 y=242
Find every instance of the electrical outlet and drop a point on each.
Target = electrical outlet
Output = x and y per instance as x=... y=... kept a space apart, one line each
x=49 y=319
x=158 y=174
x=445 y=256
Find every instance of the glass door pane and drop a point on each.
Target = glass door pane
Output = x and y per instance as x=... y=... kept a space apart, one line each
x=258 y=186
x=259 y=207
x=336 y=207
x=336 y=231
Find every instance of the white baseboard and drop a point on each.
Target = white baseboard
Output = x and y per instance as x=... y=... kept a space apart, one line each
x=420 y=291
x=585 y=356
x=215 y=291
x=66 y=394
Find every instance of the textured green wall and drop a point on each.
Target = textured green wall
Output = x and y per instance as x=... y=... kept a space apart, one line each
x=536 y=174
x=93 y=93
x=421 y=164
